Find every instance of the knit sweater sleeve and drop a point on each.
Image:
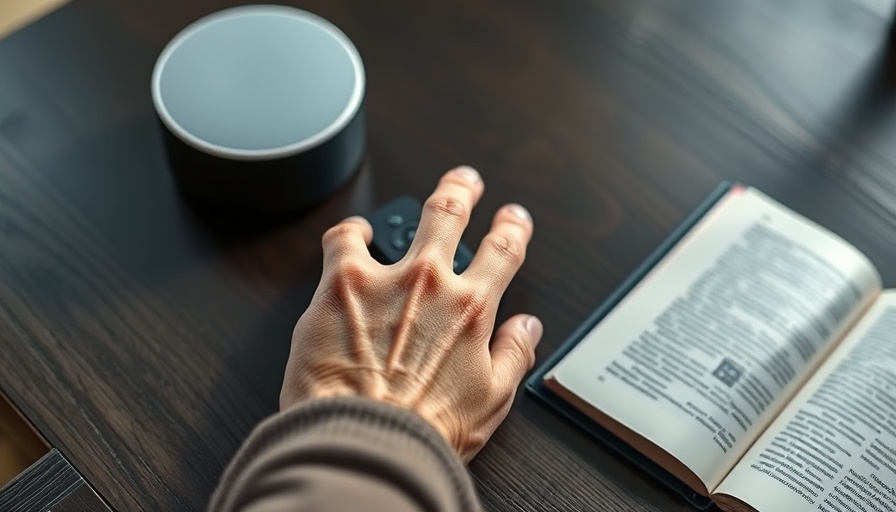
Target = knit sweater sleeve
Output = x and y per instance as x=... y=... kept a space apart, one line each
x=345 y=454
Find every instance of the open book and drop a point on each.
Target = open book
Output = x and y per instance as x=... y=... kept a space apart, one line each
x=754 y=361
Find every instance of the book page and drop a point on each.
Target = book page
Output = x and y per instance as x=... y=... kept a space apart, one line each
x=833 y=449
x=714 y=340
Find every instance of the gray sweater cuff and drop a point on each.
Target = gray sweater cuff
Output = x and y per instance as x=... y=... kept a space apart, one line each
x=354 y=436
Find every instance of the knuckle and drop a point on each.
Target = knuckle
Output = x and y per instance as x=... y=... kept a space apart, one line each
x=351 y=270
x=349 y=279
x=475 y=304
x=337 y=233
x=446 y=206
x=426 y=270
x=507 y=248
x=521 y=351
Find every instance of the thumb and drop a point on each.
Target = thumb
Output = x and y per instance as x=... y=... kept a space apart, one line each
x=513 y=351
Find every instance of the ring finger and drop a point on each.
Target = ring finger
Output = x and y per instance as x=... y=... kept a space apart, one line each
x=503 y=250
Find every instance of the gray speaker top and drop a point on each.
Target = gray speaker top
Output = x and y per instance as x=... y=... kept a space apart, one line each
x=258 y=82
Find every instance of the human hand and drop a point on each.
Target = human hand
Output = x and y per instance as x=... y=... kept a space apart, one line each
x=414 y=334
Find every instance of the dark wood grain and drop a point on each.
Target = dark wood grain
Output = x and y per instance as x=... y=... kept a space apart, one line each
x=83 y=499
x=51 y=483
x=145 y=341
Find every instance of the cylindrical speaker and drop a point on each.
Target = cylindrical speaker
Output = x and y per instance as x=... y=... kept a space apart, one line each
x=261 y=108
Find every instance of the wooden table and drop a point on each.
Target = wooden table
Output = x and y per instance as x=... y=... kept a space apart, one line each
x=145 y=342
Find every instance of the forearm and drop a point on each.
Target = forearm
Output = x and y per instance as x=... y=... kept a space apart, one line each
x=345 y=454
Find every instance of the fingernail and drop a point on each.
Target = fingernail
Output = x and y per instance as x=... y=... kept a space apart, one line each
x=468 y=173
x=534 y=328
x=520 y=212
x=358 y=219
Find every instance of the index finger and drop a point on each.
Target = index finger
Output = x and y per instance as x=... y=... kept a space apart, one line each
x=348 y=238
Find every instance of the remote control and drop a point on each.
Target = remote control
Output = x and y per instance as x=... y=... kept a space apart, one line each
x=394 y=227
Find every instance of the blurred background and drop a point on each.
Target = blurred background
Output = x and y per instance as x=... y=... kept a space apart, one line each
x=19 y=447
x=15 y=13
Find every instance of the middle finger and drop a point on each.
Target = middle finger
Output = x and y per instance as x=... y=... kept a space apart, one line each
x=446 y=213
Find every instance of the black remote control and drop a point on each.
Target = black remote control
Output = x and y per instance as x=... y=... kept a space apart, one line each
x=394 y=227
